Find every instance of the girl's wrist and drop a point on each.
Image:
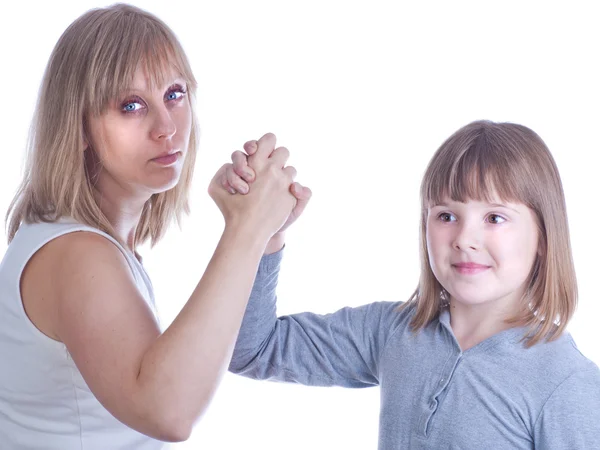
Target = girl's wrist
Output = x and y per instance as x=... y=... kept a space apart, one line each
x=276 y=243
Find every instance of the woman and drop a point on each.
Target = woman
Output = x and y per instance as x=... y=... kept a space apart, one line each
x=84 y=364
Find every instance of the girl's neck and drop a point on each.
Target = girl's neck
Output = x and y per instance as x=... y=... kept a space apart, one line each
x=473 y=324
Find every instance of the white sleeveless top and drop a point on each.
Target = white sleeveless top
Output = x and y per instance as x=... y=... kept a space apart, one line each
x=44 y=401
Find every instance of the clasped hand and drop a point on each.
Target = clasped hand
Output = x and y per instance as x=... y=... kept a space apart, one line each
x=270 y=200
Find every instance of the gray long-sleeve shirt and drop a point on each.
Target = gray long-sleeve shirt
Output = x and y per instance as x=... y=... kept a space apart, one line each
x=496 y=395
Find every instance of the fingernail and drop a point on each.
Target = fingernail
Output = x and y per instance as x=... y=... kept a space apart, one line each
x=231 y=190
x=243 y=189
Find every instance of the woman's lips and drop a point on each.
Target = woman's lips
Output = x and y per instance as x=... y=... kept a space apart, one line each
x=167 y=160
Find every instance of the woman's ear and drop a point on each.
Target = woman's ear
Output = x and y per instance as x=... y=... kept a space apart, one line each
x=84 y=135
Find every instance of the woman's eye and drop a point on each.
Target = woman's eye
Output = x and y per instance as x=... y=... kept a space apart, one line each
x=132 y=106
x=175 y=94
x=495 y=218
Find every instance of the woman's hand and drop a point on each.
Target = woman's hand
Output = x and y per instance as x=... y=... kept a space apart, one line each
x=240 y=174
x=268 y=207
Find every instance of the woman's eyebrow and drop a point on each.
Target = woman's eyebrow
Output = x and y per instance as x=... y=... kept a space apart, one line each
x=141 y=90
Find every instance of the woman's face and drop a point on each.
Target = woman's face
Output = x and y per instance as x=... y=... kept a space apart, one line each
x=141 y=140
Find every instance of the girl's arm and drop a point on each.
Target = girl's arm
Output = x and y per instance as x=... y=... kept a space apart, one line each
x=341 y=349
x=570 y=418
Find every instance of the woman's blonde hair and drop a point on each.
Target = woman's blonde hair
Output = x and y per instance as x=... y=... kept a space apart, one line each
x=511 y=161
x=93 y=61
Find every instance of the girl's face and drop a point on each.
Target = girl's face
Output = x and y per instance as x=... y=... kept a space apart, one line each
x=482 y=253
x=141 y=140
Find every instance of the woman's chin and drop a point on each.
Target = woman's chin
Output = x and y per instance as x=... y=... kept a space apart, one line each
x=163 y=186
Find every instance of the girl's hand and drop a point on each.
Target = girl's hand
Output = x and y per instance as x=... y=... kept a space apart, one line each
x=240 y=175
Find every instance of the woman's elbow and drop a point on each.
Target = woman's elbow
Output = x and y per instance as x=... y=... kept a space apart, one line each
x=168 y=423
x=173 y=430
x=177 y=433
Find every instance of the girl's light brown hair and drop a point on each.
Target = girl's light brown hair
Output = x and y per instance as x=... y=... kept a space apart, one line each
x=94 y=60
x=511 y=161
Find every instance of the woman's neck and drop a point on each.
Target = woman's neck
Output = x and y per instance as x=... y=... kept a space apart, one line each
x=123 y=213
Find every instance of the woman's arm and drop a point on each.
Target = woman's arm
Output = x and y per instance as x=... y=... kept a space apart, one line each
x=156 y=384
x=160 y=384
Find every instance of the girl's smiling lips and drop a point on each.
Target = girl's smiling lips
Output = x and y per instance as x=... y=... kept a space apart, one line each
x=469 y=268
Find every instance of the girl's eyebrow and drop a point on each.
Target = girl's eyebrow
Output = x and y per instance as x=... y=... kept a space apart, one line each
x=500 y=205
x=491 y=205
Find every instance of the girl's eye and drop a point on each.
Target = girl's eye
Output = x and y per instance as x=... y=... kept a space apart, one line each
x=495 y=218
x=446 y=217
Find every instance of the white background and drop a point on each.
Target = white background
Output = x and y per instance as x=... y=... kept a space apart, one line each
x=362 y=93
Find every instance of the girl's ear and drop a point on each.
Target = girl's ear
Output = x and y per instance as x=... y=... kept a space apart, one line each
x=541 y=250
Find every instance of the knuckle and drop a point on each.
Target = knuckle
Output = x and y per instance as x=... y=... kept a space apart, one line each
x=212 y=190
x=231 y=177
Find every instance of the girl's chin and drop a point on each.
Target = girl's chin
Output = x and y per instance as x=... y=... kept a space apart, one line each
x=471 y=300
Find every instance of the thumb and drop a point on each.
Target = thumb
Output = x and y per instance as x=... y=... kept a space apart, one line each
x=303 y=195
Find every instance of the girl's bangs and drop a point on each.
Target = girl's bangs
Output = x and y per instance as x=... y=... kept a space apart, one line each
x=479 y=172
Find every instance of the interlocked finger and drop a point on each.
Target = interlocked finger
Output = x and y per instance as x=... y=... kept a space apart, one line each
x=235 y=181
x=241 y=167
x=291 y=172
x=280 y=156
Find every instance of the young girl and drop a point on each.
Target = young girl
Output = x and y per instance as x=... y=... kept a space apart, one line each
x=479 y=356
x=83 y=364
